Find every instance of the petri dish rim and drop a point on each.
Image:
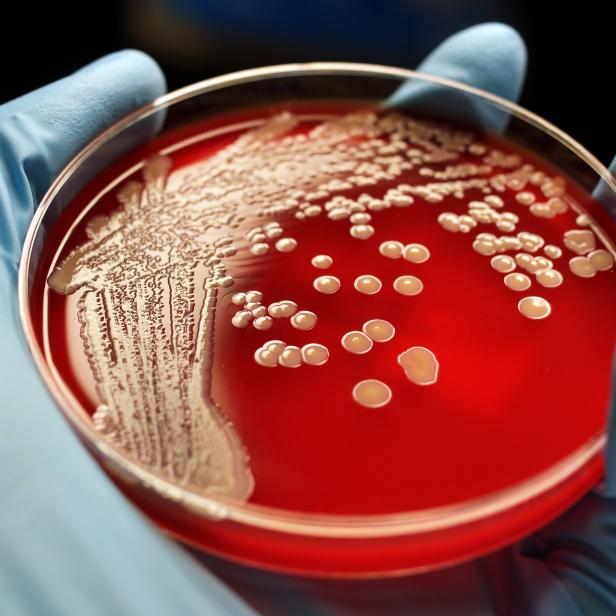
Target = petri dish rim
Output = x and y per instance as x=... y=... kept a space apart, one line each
x=259 y=516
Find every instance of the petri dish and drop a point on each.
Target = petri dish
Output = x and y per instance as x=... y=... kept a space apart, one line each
x=315 y=323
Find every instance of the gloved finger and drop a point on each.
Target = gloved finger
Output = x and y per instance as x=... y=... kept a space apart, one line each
x=605 y=194
x=41 y=131
x=489 y=56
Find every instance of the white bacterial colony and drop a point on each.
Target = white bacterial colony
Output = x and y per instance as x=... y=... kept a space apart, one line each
x=375 y=330
x=583 y=220
x=553 y=252
x=282 y=309
x=408 y=285
x=276 y=353
x=549 y=278
x=601 y=260
x=584 y=266
x=580 y=241
x=356 y=342
x=322 y=261
x=416 y=253
x=262 y=317
x=260 y=237
x=533 y=264
x=420 y=365
x=304 y=319
x=362 y=232
x=379 y=330
x=150 y=275
x=550 y=208
x=286 y=244
x=517 y=282
x=534 y=307
x=503 y=263
x=480 y=212
x=488 y=211
x=326 y=284
x=251 y=311
x=590 y=260
x=372 y=393
x=367 y=284
x=391 y=249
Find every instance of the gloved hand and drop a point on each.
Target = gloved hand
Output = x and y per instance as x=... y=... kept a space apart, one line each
x=69 y=542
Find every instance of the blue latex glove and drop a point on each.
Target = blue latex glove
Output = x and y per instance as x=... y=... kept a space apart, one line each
x=70 y=544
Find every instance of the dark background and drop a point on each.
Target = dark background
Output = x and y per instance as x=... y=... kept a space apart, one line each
x=570 y=73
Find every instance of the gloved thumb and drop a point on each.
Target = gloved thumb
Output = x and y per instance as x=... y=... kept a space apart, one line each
x=41 y=131
x=490 y=56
